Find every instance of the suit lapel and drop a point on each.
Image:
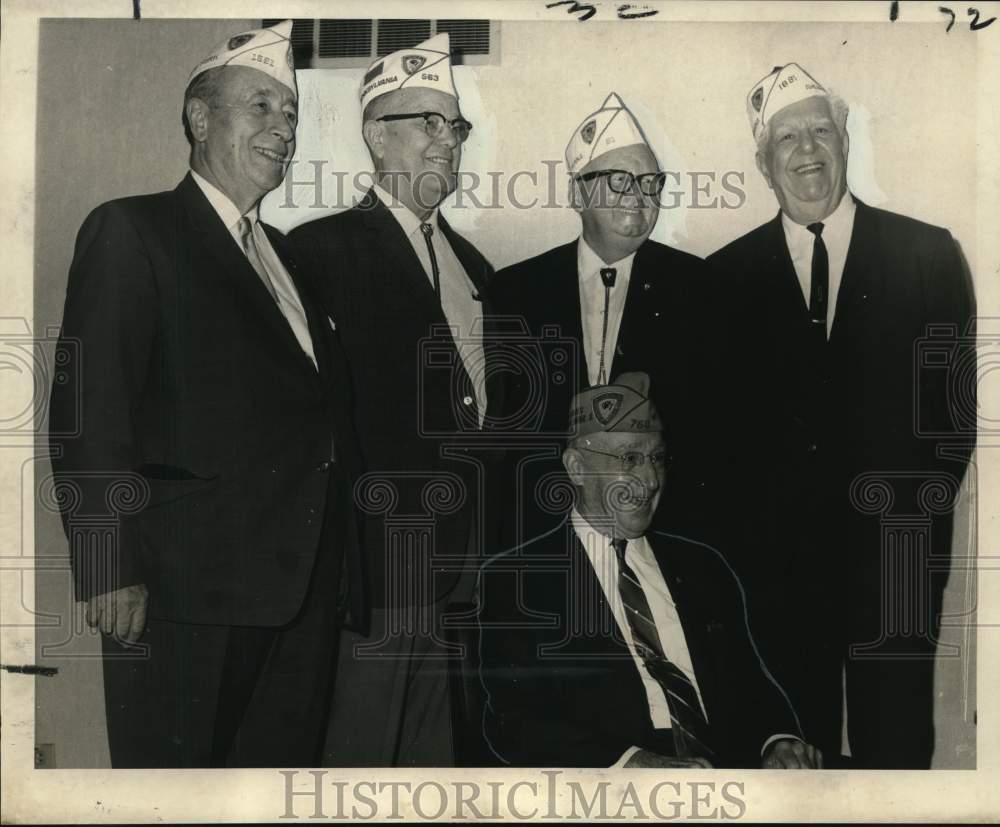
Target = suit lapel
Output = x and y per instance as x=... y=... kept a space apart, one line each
x=862 y=278
x=320 y=329
x=697 y=622
x=220 y=247
x=789 y=306
x=562 y=298
x=401 y=263
x=645 y=291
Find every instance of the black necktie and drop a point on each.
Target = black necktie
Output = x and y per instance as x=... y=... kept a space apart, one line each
x=688 y=725
x=428 y=231
x=820 y=287
x=608 y=276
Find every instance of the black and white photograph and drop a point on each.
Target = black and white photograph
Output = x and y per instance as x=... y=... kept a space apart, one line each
x=445 y=410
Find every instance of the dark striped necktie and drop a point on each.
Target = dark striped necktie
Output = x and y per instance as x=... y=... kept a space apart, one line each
x=688 y=724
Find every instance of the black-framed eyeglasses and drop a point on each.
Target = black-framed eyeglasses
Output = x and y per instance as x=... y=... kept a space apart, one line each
x=630 y=460
x=622 y=181
x=434 y=123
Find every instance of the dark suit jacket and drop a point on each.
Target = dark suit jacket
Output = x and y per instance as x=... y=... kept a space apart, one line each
x=414 y=401
x=563 y=689
x=184 y=379
x=872 y=403
x=666 y=331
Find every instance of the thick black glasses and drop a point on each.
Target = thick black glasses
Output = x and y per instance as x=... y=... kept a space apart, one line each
x=434 y=123
x=622 y=181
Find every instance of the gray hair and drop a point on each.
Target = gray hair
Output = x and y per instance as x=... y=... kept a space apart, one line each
x=207 y=87
x=838 y=108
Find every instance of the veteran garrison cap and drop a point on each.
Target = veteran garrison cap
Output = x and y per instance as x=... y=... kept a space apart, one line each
x=266 y=50
x=623 y=406
x=610 y=127
x=427 y=64
x=783 y=86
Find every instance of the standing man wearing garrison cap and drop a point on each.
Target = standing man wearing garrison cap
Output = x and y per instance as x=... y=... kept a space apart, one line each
x=625 y=302
x=407 y=294
x=605 y=642
x=829 y=303
x=211 y=399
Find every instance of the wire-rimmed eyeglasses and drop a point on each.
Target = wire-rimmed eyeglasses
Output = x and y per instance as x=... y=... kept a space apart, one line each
x=630 y=460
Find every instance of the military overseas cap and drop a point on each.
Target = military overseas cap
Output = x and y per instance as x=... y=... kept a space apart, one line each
x=266 y=50
x=784 y=86
x=622 y=406
x=427 y=64
x=610 y=127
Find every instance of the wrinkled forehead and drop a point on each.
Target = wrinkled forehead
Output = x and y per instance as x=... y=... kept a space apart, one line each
x=241 y=82
x=420 y=99
x=637 y=159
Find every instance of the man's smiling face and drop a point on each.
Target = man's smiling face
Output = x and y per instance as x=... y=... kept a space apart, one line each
x=423 y=170
x=805 y=159
x=249 y=136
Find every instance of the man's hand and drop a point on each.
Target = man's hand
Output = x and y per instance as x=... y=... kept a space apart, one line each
x=644 y=758
x=791 y=754
x=121 y=613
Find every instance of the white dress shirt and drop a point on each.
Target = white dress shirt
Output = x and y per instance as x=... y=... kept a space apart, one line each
x=640 y=557
x=287 y=295
x=461 y=310
x=588 y=268
x=837 y=228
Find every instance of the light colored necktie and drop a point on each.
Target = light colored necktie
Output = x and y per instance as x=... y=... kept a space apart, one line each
x=245 y=230
x=279 y=285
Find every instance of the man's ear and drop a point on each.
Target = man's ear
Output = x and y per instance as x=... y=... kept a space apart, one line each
x=847 y=145
x=374 y=135
x=197 y=115
x=573 y=463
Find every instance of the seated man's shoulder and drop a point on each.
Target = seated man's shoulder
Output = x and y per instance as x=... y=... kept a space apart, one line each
x=892 y=225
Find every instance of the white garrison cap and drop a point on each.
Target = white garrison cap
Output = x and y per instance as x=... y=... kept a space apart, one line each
x=610 y=127
x=784 y=86
x=427 y=64
x=266 y=50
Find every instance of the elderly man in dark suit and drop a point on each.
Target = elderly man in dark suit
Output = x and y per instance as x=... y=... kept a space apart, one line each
x=211 y=398
x=618 y=302
x=604 y=642
x=829 y=307
x=406 y=292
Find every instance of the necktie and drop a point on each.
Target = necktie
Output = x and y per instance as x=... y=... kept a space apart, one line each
x=608 y=276
x=820 y=286
x=280 y=285
x=245 y=229
x=688 y=725
x=428 y=231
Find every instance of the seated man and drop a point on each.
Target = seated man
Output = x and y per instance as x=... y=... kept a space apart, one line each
x=602 y=643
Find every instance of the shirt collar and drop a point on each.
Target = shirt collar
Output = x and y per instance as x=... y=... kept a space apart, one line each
x=584 y=529
x=403 y=214
x=222 y=203
x=836 y=224
x=589 y=264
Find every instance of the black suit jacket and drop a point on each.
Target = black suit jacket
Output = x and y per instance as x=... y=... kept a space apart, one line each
x=563 y=689
x=414 y=403
x=666 y=330
x=873 y=403
x=191 y=413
